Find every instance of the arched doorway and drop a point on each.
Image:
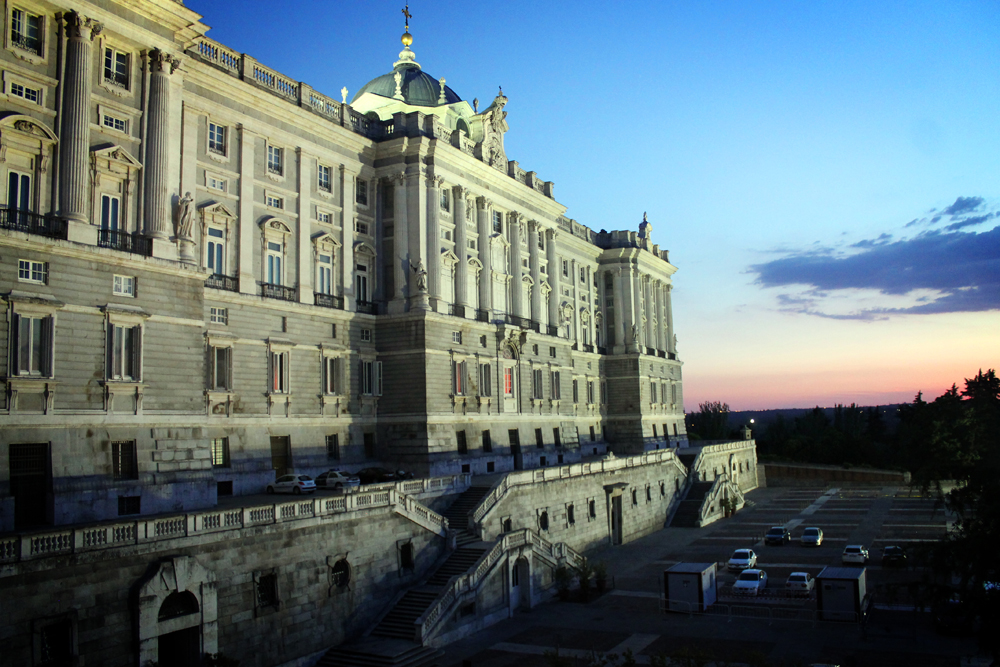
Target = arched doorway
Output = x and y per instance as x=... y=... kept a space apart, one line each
x=520 y=585
x=177 y=609
x=180 y=647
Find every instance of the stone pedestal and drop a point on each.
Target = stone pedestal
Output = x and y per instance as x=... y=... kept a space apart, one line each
x=420 y=302
x=188 y=252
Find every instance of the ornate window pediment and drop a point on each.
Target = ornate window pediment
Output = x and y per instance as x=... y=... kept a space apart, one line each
x=449 y=258
x=364 y=248
x=325 y=241
x=26 y=127
x=114 y=158
x=271 y=225
x=217 y=212
x=475 y=264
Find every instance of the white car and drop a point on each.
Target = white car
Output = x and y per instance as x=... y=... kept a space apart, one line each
x=338 y=480
x=742 y=559
x=800 y=583
x=812 y=537
x=292 y=484
x=750 y=582
x=854 y=554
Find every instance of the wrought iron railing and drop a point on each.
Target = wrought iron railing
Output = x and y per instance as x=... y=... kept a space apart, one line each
x=456 y=310
x=671 y=355
x=272 y=291
x=588 y=348
x=602 y=350
x=32 y=223
x=651 y=352
x=661 y=354
x=482 y=315
x=370 y=307
x=551 y=329
x=219 y=281
x=135 y=243
x=329 y=300
x=523 y=322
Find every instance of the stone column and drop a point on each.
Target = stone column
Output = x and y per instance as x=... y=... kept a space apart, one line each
x=248 y=235
x=619 y=302
x=400 y=239
x=416 y=224
x=536 y=275
x=434 y=237
x=636 y=285
x=649 y=309
x=670 y=322
x=348 y=180
x=461 y=248
x=74 y=137
x=554 y=272
x=516 y=287
x=661 y=335
x=485 y=256
x=156 y=170
x=306 y=256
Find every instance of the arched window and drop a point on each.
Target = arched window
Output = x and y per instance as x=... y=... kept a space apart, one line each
x=178 y=604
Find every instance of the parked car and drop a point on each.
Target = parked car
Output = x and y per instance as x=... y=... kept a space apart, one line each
x=292 y=484
x=778 y=535
x=800 y=583
x=812 y=537
x=338 y=480
x=854 y=554
x=750 y=582
x=742 y=559
x=375 y=475
x=893 y=556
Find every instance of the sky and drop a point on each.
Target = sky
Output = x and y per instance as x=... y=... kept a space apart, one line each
x=826 y=176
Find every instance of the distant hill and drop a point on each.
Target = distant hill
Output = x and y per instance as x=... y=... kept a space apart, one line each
x=761 y=418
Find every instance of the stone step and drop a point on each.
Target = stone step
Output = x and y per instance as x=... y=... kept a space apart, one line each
x=381 y=652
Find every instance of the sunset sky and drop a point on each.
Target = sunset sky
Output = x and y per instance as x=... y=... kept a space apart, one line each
x=825 y=175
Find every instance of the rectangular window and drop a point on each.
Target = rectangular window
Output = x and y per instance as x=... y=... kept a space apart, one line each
x=583 y=274
x=19 y=191
x=539 y=442
x=124 y=352
x=275 y=202
x=593 y=434
x=221 y=368
x=216 y=139
x=487 y=442
x=279 y=372
x=552 y=352
x=267 y=590
x=215 y=183
x=26 y=31
x=371 y=378
x=116 y=68
x=366 y=335
x=652 y=392
x=324 y=277
x=128 y=505
x=565 y=268
x=536 y=383
x=456 y=337
x=445 y=201
x=216 y=251
x=590 y=391
x=576 y=391
x=556 y=389
x=361 y=192
x=220 y=452
x=110 y=211
x=323 y=178
x=29 y=271
x=557 y=439
x=333 y=447
x=570 y=515
x=31 y=346
x=541 y=241
x=472 y=244
x=446 y=234
x=485 y=380
x=123 y=286
x=592 y=509
x=604 y=391
x=28 y=94
x=508 y=381
x=275 y=256
x=124 y=463
x=218 y=315
x=333 y=370
x=275 y=160
x=673 y=394
x=459 y=378
x=498 y=222
x=463 y=447
x=324 y=217
x=360 y=227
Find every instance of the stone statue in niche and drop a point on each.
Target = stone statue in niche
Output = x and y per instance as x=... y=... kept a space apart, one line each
x=185 y=216
x=635 y=333
x=421 y=274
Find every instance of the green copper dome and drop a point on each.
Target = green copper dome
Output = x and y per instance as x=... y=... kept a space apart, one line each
x=417 y=87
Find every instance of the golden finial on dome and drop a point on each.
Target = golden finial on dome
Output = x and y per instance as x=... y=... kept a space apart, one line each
x=407 y=38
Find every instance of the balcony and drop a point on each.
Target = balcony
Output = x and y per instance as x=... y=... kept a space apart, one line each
x=280 y=292
x=650 y=351
x=482 y=315
x=32 y=223
x=369 y=307
x=671 y=355
x=219 y=281
x=522 y=322
x=588 y=348
x=661 y=354
x=134 y=243
x=602 y=350
x=456 y=310
x=552 y=330
x=328 y=300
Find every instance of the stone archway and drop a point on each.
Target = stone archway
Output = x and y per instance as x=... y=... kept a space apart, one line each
x=520 y=583
x=178 y=613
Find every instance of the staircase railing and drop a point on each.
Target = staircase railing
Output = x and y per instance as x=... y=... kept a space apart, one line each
x=721 y=484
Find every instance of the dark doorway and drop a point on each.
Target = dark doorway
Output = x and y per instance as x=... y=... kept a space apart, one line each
x=281 y=455
x=369 y=445
x=31 y=484
x=180 y=649
x=515 y=448
x=616 y=519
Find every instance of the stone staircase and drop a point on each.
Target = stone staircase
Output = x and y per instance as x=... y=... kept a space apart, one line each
x=689 y=511
x=458 y=513
x=381 y=653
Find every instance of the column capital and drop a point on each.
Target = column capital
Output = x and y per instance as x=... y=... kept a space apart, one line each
x=162 y=62
x=669 y=287
x=552 y=233
x=484 y=203
x=399 y=177
x=534 y=226
x=79 y=26
x=460 y=192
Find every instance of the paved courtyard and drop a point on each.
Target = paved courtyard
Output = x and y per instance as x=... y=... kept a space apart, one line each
x=628 y=617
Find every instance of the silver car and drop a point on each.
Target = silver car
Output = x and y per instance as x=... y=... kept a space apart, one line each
x=812 y=537
x=800 y=583
x=296 y=484
x=854 y=554
x=338 y=480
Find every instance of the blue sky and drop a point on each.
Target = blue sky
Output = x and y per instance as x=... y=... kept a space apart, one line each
x=780 y=149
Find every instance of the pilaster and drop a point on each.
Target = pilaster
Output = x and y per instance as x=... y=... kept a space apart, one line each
x=347 y=193
x=485 y=254
x=554 y=275
x=305 y=253
x=516 y=290
x=248 y=235
x=458 y=198
x=416 y=224
x=74 y=144
x=156 y=170
x=671 y=335
x=533 y=266
x=401 y=243
x=620 y=341
x=635 y=280
x=434 y=184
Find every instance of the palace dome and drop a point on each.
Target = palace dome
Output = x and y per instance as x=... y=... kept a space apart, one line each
x=417 y=87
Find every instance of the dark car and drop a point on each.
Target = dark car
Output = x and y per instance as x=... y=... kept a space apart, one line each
x=375 y=475
x=893 y=556
x=778 y=535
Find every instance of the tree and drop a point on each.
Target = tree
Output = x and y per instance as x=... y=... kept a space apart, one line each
x=711 y=422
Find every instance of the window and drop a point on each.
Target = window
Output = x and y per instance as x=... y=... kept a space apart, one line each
x=360 y=227
x=635 y=497
x=333 y=447
x=459 y=378
x=590 y=391
x=116 y=68
x=340 y=574
x=275 y=160
x=279 y=370
x=576 y=391
x=552 y=352
x=216 y=139
x=323 y=178
x=557 y=440
x=128 y=505
x=583 y=274
x=216 y=183
x=124 y=463
x=124 y=352
x=371 y=378
x=218 y=315
x=463 y=447
x=29 y=94
x=536 y=383
x=541 y=241
x=539 y=440
x=472 y=244
x=333 y=372
x=543 y=521
x=324 y=217
x=487 y=442
x=366 y=335
x=592 y=509
x=652 y=392
x=570 y=514
x=446 y=234
x=482 y=341
x=565 y=267
x=123 y=286
x=220 y=452
x=267 y=590
x=508 y=381
x=31 y=346
x=26 y=31
x=275 y=202
x=110 y=210
x=115 y=123
x=673 y=394
x=361 y=192
x=485 y=380
x=556 y=390
x=324 y=274
x=604 y=391
x=456 y=337
x=498 y=222
x=216 y=250
x=221 y=369
x=361 y=282
x=490 y=466
x=534 y=349
x=29 y=271
x=275 y=255
x=663 y=392
x=445 y=201
x=19 y=191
